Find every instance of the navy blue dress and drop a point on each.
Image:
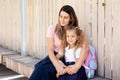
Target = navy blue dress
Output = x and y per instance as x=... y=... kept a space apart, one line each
x=44 y=70
x=80 y=75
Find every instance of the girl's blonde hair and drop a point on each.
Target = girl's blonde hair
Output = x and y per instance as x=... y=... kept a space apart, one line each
x=79 y=42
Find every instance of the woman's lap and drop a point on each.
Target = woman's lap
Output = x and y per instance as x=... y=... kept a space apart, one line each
x=44 y=70
x=68 y=77
x=80 y=75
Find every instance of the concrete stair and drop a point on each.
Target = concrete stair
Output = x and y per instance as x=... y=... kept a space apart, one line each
x=23 y=65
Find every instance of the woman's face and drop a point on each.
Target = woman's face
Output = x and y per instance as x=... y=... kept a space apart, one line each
x=64 y=18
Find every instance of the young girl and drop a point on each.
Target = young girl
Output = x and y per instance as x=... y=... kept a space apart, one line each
x=70 y=51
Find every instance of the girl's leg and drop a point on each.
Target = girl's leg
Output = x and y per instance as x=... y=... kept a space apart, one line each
x=72 y=77
x=63 y=77
x=80 y=75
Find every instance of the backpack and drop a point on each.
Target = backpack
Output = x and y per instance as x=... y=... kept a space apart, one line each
x=90 y=63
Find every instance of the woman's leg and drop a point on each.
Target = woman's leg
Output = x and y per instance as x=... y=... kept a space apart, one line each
x=72 y=77
x=63 y=77
x=44 y=70
x=81 y=74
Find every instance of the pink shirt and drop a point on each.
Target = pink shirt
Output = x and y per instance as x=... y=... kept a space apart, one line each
x=51 y=34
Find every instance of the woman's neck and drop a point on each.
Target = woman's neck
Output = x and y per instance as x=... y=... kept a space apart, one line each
x=64 y=27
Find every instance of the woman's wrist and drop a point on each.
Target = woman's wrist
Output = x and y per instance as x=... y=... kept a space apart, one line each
x=77 y=65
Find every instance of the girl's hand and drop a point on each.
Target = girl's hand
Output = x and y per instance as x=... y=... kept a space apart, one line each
x=72 y=69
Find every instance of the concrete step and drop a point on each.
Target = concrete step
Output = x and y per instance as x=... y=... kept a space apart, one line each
x=7 y=74
x=20 y=66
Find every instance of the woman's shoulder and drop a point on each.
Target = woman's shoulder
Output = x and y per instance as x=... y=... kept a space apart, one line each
x=51 y=30
x=52 y=26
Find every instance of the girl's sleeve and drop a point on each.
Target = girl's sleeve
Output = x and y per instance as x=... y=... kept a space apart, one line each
x=59 y=52
x=50 y=31
x=77 y=53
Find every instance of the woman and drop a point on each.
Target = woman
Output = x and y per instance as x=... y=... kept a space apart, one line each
x=47 y=68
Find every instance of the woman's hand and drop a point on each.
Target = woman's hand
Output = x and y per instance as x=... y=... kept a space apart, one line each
x=62 y=64
x=72 y=69
x=60 y=68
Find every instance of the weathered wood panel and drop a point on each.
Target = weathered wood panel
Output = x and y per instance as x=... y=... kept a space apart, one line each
x=10 y=24
x=98 y=18
x=116 y=41
x=88 y=20
x=94 y=22
x=101 y=38
x=108 y=39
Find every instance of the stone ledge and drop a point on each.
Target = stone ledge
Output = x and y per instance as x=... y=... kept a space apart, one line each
x=23 y=64
x=4 y=53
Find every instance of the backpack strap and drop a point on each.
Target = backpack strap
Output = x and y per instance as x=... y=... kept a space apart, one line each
x=88 y=59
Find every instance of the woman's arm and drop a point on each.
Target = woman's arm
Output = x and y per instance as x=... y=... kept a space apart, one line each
x=58 y=56
x=50 y=51
x=53 y=58
x=83 y=55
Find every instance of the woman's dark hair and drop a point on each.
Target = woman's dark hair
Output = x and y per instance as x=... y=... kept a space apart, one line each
x=73 y=20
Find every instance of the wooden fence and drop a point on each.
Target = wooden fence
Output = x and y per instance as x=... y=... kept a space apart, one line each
x=100 y=20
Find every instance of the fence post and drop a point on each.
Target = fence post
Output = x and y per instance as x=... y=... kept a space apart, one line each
x=23 y=27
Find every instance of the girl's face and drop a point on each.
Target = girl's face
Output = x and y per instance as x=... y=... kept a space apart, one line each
x=71 y=38
x=64 y=18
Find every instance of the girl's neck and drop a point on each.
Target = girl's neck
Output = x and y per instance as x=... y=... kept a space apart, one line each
x=71 y=46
